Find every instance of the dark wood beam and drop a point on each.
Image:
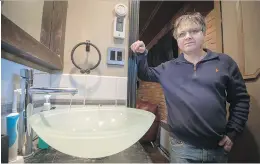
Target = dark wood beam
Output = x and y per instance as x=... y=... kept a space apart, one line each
x=46 y=27
x=153 y=13
x=20 y=45
x=168 y=27
x=54 y=26
x=146 y=8
x=162 y=17
x=188 y=6
x=59 y=27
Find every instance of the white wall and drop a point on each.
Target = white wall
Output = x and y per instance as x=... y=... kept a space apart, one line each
x=93 y=20
x=27 y=14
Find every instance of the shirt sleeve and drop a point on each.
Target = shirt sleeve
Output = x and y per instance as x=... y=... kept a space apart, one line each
x=146 y=73
x=239 y=99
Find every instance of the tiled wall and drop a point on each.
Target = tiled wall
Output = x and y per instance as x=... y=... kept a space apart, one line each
x=10 y=80
x=90 y=87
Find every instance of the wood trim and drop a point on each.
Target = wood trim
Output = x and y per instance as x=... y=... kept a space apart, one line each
x=240 y=35
x=153 y=13
x=218 y=19
x=54 y=26
x=241 y=51
x=59 y=27
x=168 y=27
x=47 y=15
x=252 y=76
x=20 y=45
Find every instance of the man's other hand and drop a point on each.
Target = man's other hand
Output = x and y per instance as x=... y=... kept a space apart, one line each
x=227 y=143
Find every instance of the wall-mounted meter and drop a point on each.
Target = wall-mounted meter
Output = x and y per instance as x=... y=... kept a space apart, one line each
x=119 y=21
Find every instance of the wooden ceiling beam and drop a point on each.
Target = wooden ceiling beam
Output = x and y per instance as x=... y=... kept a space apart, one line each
x=168 y=27
x=153 y=13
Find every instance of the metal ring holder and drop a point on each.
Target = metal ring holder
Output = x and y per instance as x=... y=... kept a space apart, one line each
x=88 y=44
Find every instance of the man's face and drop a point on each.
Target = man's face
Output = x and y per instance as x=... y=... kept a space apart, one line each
x=190 y=37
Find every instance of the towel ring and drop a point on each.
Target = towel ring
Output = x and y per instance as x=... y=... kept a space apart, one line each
x=88 y=44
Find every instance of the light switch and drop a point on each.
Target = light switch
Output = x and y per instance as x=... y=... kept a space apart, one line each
x=115 y=56
x=119 y=56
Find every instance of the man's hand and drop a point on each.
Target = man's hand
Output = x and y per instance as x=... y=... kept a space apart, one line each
x=138 y=47
x=226 y=143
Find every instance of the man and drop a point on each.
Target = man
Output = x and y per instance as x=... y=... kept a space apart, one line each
x=197 y=86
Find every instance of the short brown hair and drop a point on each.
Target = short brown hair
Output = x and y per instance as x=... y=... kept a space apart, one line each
x=196 y=18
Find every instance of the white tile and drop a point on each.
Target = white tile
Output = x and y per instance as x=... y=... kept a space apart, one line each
x=92 y=87
x=41 y=80
x=10 y=79
x=100 y=87
x=7 y=90
x=35 y=71
x=121 y=93
x=6 y=95
x=69 y=81
x=37 y=97
x=55 y=80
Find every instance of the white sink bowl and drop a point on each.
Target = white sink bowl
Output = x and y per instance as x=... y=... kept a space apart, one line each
x=92 y=133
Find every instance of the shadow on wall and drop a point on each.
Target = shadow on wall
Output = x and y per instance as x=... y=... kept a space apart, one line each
x=245 y=150
x=247 y=146
x=92 y=89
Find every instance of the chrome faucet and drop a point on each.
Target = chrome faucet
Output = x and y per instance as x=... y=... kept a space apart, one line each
x=26 y=98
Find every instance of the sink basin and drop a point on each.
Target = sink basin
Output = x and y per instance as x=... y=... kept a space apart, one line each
x=92 y=133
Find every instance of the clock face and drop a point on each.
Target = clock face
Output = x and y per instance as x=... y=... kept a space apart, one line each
x=121 y=9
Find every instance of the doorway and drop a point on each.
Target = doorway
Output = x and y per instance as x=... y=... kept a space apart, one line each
x=155 y=29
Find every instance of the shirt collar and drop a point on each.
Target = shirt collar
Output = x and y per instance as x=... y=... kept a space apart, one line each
x=209 y=56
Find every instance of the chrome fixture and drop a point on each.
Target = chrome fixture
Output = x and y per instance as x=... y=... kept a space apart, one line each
x=26 y=98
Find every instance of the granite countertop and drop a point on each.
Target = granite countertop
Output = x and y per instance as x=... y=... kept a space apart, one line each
x=134 y=154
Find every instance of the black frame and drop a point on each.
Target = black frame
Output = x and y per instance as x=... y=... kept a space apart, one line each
x=132 y=66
